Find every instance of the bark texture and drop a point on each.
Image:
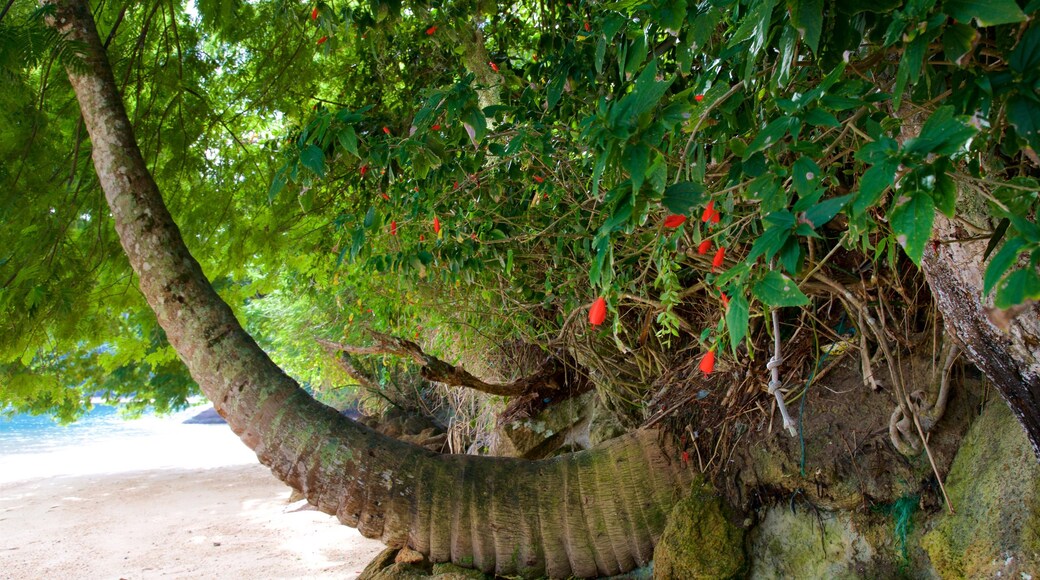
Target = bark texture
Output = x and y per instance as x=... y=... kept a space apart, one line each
x=1010 y=358
x=598 y=512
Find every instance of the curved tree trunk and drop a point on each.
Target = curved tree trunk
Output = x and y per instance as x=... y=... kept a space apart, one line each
x=598 y=512
x=1010 y=358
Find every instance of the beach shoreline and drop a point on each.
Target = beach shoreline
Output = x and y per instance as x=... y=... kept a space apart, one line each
x=176 y=501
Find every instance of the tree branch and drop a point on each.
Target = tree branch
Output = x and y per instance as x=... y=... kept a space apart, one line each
x=434 y=369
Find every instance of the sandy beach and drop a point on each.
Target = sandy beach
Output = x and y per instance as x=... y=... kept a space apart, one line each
x=177 y=501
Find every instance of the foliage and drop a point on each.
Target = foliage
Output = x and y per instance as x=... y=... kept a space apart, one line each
x=440 y=166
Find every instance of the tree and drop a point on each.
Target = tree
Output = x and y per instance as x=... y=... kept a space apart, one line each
x=559 y=153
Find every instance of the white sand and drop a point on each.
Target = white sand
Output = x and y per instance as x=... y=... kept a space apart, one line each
x=181 y=501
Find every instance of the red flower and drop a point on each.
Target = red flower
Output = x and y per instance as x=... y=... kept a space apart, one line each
x=494 y=66
x=674 y=221
x=393 y=228
x=436 y=127
x=708 y=362
x=685 y=456
x=704 y=247
x=538 y=178
x=717 y=260
x=715 y=217
x=706 y=214
x=431 y=30
x=314 y=13
x=698 y=98
x=322 y=40
x=386 y=130
x=725 y=301
x=363 y=170
x=436 y=225
x=598 y=312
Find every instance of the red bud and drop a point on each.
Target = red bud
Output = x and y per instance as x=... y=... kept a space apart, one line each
x=725 y=301
x=698 y=98
x=685 y=456
x=393 y=228
x=494 y=66
x=598 y=312
x=431 y=30
x=385 y=196
x=314 y=13
x=708 y=362
x=386 y=130
x=436 y=127
x=322 y=40
x=538 y=178
x=719 y=257
x=715 y=217
x=587 y=27
x=363 y=170
x=674 y=221
x=706 y=214
x=704 y=247
x=436 y=225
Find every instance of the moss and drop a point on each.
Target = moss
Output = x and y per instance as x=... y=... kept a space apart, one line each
x=994 y=486
x=699 y=540
x=448 y=571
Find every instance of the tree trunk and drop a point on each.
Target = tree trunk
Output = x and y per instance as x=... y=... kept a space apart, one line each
x=598 y=512
x=1009 y=358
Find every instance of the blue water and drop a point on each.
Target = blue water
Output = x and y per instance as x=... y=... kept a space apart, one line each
x=35 y=434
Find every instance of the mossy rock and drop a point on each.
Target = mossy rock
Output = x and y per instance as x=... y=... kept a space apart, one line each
x=699 y=540
x=447 y=571
x=994 y=486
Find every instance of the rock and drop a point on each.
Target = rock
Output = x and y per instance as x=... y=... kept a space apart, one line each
x=408 y=556
x=448 y=571
x=209 y=416
x=994 y=486
x=566 y=422
x=699 y=540
x=809 y=543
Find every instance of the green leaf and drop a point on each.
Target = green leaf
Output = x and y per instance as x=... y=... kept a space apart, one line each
x=941 y=134
x=776 y=290
x=807 y=17
x=555 y=90
x=945 y=194
x=737 y=320
x=1026 y=56
x=681 y=198
x=957 y=40
x=370 y=216
x=646 y=92
x=821 y=118
x=768 y=244
x=312 y=158
x=1024 y=114
x=985 y=12
x=825 y=211
x=1002 y=261
x=771 y=135
x=277 y=184
x=348 y=140
x=1019 y=286
x=806 y=175
x=873 y=184
x=635 y=160
x=911 y=219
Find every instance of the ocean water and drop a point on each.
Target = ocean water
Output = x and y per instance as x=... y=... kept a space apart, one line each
x=102 y=441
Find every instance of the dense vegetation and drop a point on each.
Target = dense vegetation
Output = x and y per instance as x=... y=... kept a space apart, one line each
x=460 y=170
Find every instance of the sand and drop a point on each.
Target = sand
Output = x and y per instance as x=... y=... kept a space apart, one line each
x=183 y=502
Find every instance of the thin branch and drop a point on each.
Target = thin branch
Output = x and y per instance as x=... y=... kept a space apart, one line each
x=434 y=369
